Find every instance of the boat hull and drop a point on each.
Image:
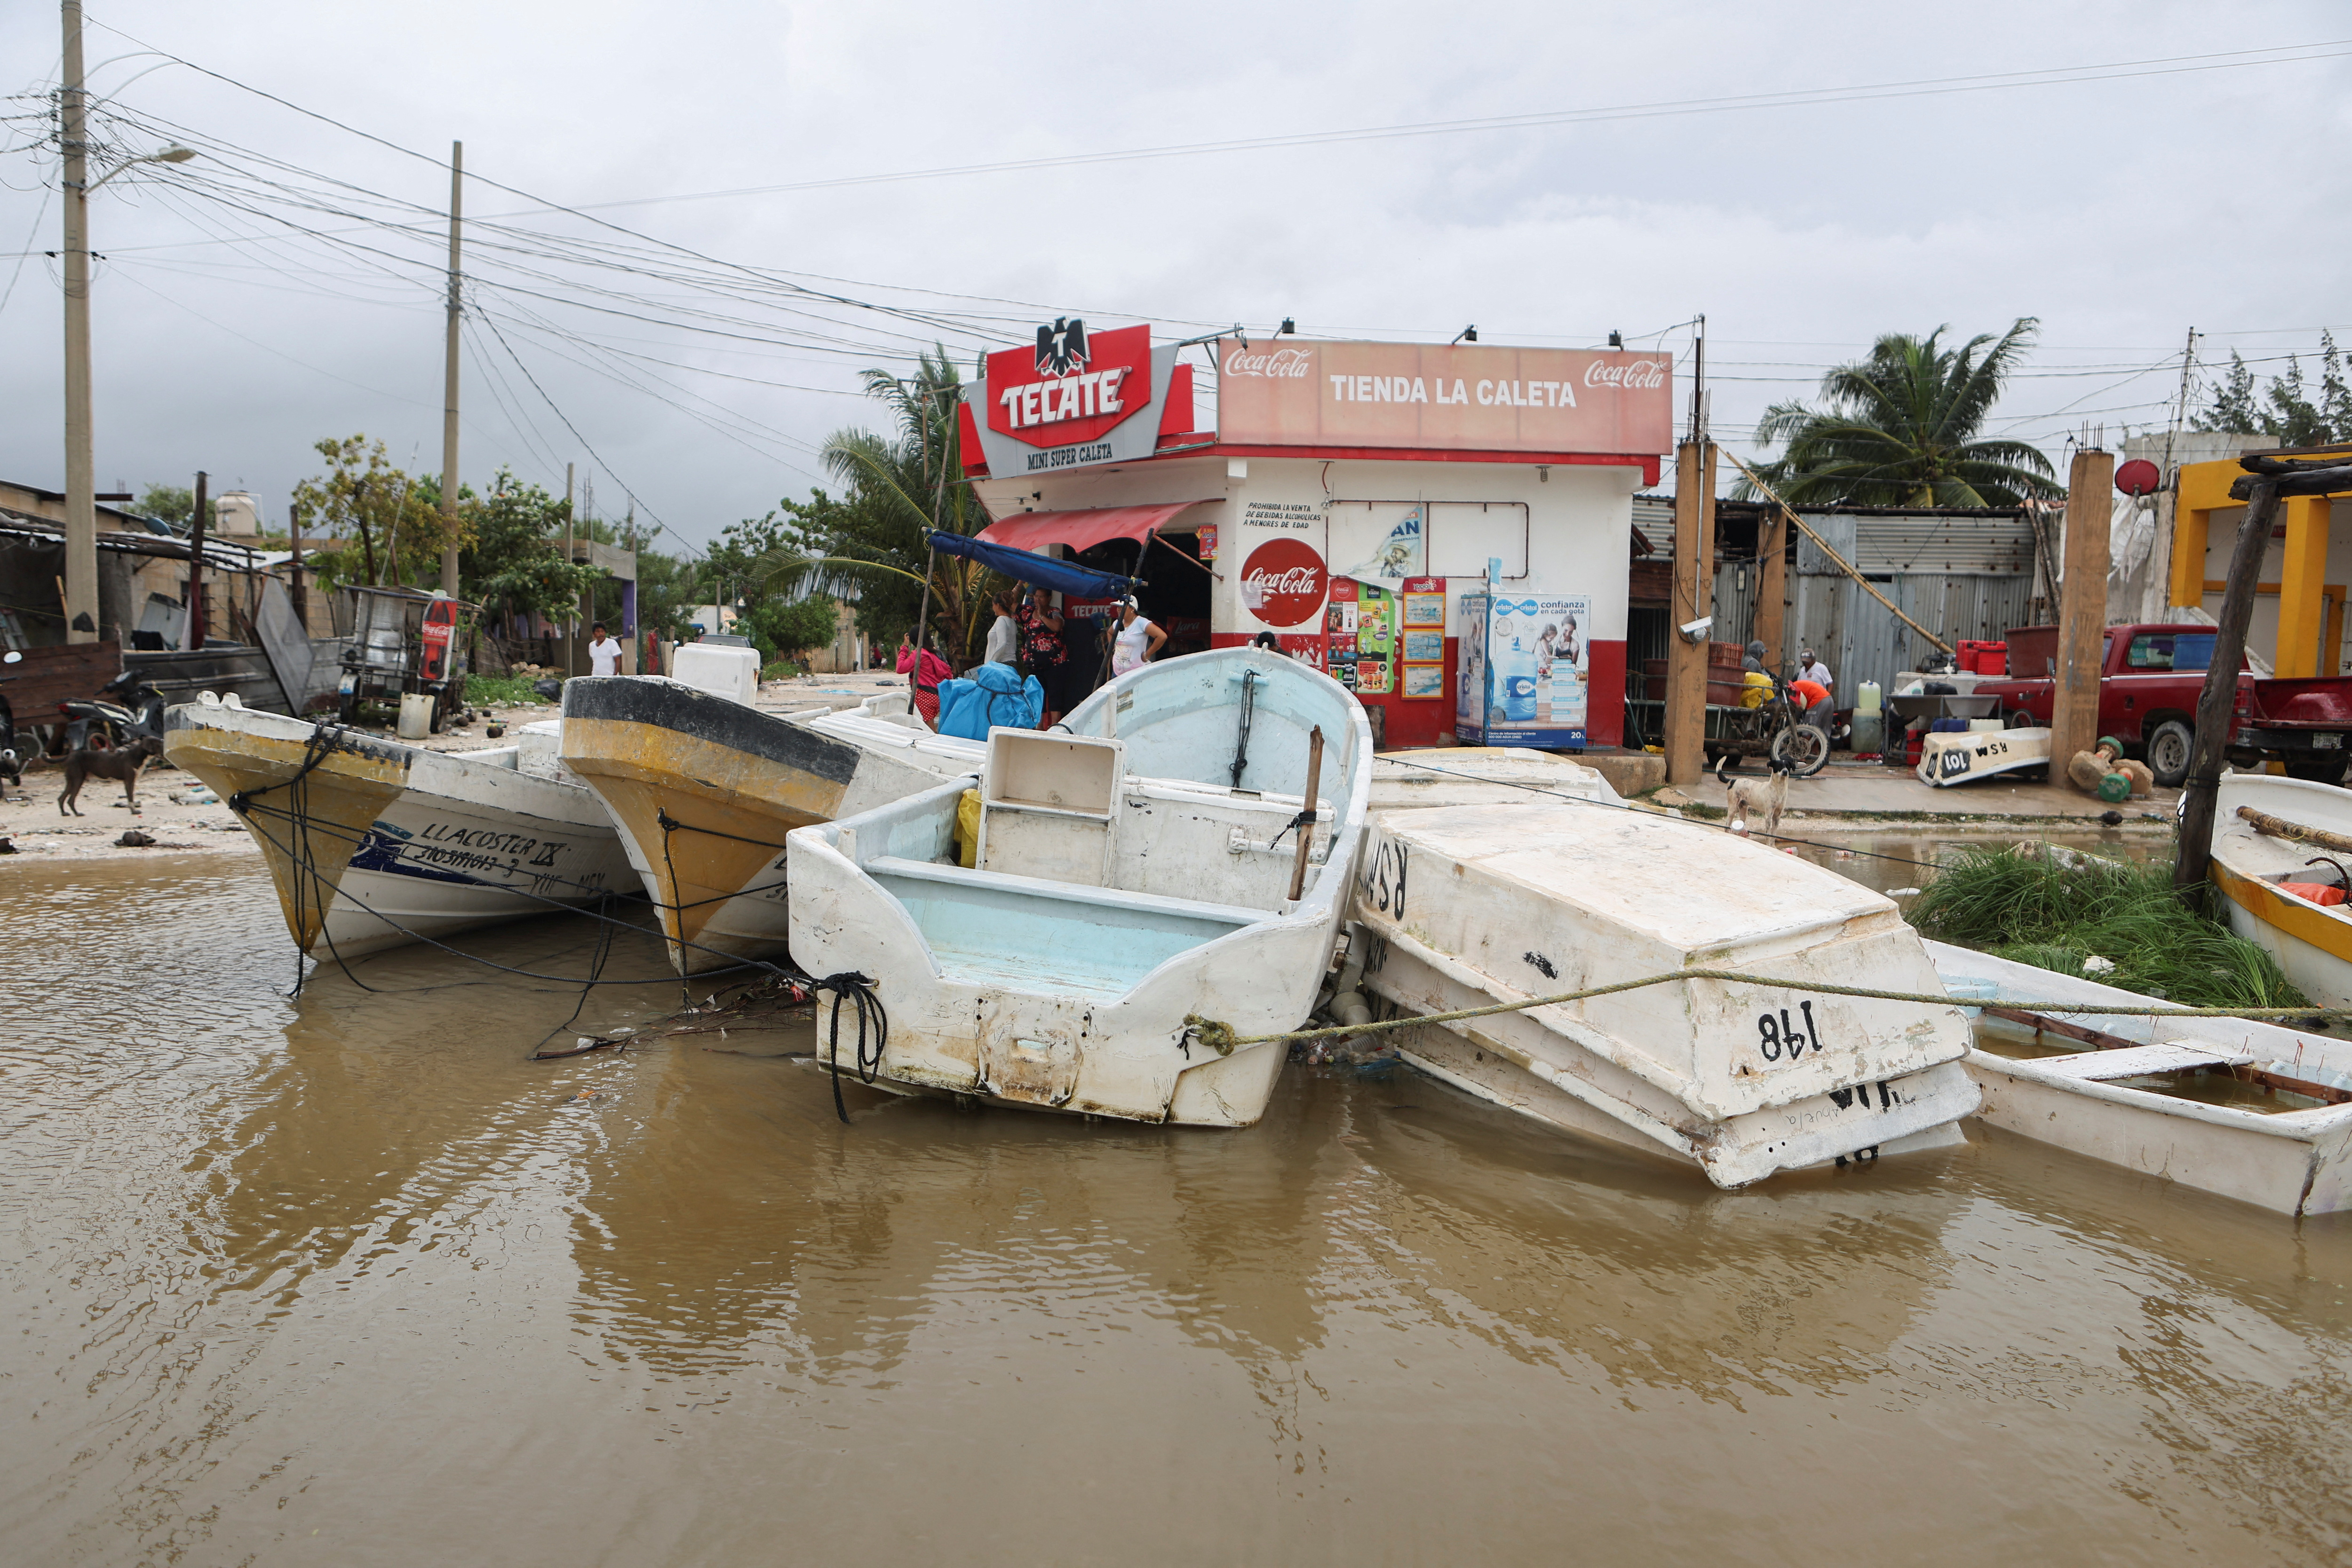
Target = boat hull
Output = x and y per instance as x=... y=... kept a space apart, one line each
x=1484 y=906
x=2291 y=1162
x=1066 y=983
x=703 y=792
x=2312 y=944
x=372 y=845
x=1963 y=758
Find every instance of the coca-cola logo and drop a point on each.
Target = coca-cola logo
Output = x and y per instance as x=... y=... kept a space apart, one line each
x=1283 y=583
x=1287 y=364
x=1631 y=375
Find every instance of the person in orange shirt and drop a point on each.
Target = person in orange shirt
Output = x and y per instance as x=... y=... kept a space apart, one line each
x=1813 y=698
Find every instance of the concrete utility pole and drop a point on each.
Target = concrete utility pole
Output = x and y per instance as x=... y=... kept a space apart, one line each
x=1771 y=586
x=1694 y=599
x=566 y=626
x=2082 y=606
x=449 y=376
x=81 y=465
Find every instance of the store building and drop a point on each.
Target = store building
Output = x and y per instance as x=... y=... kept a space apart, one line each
x=1349 y=498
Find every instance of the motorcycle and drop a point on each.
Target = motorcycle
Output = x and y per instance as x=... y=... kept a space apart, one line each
x=124 y=710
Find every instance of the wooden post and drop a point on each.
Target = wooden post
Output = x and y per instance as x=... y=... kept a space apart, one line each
x=1686 y=726
x=193 y=635
x=301 y=594
x=1771 y=586
x=1306 y=827
x=2081 y=607
x=2217 y=703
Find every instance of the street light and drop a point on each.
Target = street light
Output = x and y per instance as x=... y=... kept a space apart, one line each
x=81 y=478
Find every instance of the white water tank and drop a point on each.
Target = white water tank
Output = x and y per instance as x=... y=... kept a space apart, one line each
x=235 y=516
x=729 y=669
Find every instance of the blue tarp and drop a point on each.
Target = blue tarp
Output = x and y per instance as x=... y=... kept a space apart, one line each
x=990 y=695
x=1027 y=566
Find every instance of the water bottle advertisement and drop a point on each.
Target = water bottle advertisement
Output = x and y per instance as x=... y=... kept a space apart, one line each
x=1525 y=672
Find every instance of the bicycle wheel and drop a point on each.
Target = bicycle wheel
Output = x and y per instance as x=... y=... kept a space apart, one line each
x=1802 y=750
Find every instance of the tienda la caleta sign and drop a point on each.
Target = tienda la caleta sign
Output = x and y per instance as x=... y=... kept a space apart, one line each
x=1462 y=397
x=1074 y=399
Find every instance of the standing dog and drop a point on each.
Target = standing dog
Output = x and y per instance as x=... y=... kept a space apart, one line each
x=124 y=762
x=1755 y=804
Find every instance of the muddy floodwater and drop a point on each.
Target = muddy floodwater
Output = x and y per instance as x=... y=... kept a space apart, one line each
x=350 y=1281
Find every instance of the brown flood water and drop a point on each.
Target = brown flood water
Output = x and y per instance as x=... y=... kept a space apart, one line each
x=349 y=1281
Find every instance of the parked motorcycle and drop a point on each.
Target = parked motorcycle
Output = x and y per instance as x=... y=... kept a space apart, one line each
x=125 y=709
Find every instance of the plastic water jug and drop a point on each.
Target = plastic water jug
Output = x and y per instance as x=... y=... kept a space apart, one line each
x=1865 y=697
x=1515 y=670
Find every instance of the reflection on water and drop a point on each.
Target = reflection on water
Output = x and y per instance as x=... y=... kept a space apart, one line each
x=348 y=1278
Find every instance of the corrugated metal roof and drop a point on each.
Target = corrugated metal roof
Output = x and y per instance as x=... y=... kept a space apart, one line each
x=1886 y=540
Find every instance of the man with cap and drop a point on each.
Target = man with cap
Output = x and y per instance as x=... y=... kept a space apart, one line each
x=1810 y=668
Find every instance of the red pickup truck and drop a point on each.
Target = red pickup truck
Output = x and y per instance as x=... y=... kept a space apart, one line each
x=2149 y=685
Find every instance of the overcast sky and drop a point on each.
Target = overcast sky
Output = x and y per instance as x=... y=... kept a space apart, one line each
x=2122 y=212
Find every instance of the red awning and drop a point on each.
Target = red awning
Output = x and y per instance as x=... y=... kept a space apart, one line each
x=1079 y=530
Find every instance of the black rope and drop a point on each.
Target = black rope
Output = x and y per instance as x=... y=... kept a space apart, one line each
x=1303 y=819
x=858 y=991
x=1249 y=708
x=670 y=824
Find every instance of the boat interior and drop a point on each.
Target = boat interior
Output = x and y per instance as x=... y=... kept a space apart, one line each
x=1064 y=868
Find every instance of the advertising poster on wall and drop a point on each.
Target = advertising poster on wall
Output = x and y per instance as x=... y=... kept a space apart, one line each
x=1525 y=669
x=1361 y=623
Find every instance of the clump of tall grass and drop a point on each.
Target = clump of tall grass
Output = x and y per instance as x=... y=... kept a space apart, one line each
x=2039 y=911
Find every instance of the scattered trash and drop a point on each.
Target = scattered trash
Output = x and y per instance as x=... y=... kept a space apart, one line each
x=1902 y=892
x=2094 y=965
x=7 y=845
x=585 y=1045
x=495 y=731
x=550 y=690
x=2113 y=818
x=134 y=838
x=195 y=795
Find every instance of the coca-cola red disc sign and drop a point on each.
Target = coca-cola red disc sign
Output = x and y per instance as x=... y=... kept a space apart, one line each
x=1283 y=583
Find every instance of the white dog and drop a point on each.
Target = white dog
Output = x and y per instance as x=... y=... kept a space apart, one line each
x=1755 y=804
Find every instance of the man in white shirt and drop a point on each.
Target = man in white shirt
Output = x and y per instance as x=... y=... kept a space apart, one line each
x=1810 y=668
x=604 y=654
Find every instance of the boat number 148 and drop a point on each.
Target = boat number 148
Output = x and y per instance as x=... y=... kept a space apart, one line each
x=1781 y=1040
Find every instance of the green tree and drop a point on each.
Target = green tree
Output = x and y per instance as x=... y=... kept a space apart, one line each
x=787 y=627
x=2284 y=410
x=869 y=544
x=514 y=558
x=1902 y=428
x=175 y=505
x=668 y=586
x=380 y=527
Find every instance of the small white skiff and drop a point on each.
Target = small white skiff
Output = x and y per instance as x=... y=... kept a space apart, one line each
x=372 y=844
x=1475 y=906
x=1966 y=755
x=2250 y=1110
x=2312 y=942
x=704 y=789
x=1139 y=872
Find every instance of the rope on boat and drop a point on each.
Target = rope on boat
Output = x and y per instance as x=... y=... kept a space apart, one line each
x=857 y=990
x=1220 y=1038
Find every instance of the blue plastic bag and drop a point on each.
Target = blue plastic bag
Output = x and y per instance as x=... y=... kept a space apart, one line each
x=991 y=695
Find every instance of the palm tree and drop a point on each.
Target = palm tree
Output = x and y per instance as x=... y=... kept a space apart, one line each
x=1900 y=428
x=871 y=543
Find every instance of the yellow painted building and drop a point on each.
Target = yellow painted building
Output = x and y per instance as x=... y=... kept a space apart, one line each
x=2298 y=621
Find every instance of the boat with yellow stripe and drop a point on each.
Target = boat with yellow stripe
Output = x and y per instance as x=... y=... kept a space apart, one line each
x=2271 y=834
x=703 y=790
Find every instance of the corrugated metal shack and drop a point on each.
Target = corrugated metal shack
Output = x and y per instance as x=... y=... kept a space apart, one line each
x=1964 y=573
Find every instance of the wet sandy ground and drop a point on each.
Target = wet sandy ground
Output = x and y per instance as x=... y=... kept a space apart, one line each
x=348 y=1279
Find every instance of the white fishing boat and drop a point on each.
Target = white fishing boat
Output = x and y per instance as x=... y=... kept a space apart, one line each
x=1143 y=870
x=372 y=843
x=2270 y=834
x=1480 y=905
x=1964 y=757
x=703 y=790
x=2252 y=1111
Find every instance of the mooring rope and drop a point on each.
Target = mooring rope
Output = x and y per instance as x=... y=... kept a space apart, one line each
x=1220 y=1038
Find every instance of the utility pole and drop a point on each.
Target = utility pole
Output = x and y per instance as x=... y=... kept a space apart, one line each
x=301 y=594
x=449 y=378
x=2217 y=701
x=566 y=627
x=81 y=478
x=1686 y=654
x=193 y=638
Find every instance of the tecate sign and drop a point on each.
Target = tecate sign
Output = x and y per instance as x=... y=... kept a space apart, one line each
x=1467 y=397
x=1075 y=399
x=1072 y=387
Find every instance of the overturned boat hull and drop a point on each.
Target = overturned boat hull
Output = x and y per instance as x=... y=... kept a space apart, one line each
x=1965 y=756
x=704 y=790
x=1482 y=905
x=372 y=844
x=2129 y=1093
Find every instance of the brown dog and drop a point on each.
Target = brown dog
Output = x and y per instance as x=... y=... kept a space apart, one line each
x=124 y=762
